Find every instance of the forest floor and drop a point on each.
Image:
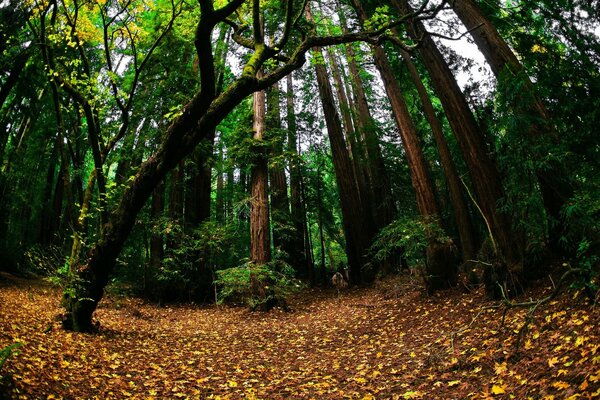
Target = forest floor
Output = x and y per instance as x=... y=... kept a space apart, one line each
x=389 y=341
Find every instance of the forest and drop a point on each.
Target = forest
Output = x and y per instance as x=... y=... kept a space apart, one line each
x=272 y=199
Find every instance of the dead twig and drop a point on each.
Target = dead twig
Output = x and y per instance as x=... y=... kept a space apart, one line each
x=508 y=304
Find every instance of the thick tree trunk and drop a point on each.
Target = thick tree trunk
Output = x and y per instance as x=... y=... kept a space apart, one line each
x=441 y=266
x=359 y=162
x=471 y=140
x=555 y=189
x=384 y=208
x=459 y=205
x=260 y=240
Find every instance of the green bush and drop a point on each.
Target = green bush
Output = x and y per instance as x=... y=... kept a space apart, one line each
x=410 y=236
x=257 y=286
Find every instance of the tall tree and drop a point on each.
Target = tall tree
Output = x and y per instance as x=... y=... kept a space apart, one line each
x=357 y=227
x=260 y=238
x=483 y=171
x=554 y=185
x=299 y=247
x=441 y=267
x=468 y=241
x=384 y=208
x=280 y=206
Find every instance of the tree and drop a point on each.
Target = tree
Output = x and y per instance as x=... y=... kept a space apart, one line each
x=300 y=249
x=484 y=174
x=468 y=241
x=554 y=185
x=260 y=237
x=198 y=117
x=357 y=228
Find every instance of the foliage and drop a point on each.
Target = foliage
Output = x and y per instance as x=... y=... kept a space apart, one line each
x=257 y=286
x=410 y=236
x=190 y=259
x=44 y=260
x=7 y=352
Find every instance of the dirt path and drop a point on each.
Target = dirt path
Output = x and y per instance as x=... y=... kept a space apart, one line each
x=385 y=342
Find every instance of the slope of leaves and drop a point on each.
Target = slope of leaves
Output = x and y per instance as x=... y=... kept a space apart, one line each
x=386 y=342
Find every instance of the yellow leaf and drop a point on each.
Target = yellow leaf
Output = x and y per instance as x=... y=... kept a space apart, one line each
x=584 y=385
x=552 y=361
x=453 y=383
x=368 y=397
x=496 y=389
x=232 y=384
x=561 y=385
x=501 y=368
x=360 y=380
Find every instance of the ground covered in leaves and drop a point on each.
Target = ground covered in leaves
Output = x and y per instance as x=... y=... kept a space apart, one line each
x=390 y=341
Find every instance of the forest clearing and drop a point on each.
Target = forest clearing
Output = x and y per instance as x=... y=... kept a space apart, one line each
x=387 y=342
x=281 y=199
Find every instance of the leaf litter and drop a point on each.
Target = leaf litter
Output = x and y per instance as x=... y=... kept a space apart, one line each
x=385 y=342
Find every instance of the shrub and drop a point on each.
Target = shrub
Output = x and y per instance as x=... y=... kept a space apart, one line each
x=257 y=286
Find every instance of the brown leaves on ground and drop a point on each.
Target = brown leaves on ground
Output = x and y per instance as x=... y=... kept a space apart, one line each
x=386 y=342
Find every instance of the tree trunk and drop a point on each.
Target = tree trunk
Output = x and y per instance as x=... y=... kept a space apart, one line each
x=280 y=206
x=441 y=266
x=299 y=254
x=554 y=187
x=356 y=226
x=471 y=140
x=384 y=208
x=260 y=241
x=459 y=205
x=356 y=148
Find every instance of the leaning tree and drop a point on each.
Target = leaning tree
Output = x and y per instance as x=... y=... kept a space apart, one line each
x=283 y=49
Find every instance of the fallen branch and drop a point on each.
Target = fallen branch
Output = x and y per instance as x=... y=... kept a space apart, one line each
x=508 y=304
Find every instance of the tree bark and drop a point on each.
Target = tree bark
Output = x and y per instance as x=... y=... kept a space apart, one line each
x=260 y=240
x=299 y=255
x=356 y=225
x=554 y=187
x=280 y=206
x=471 y=140
x=459 y=205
